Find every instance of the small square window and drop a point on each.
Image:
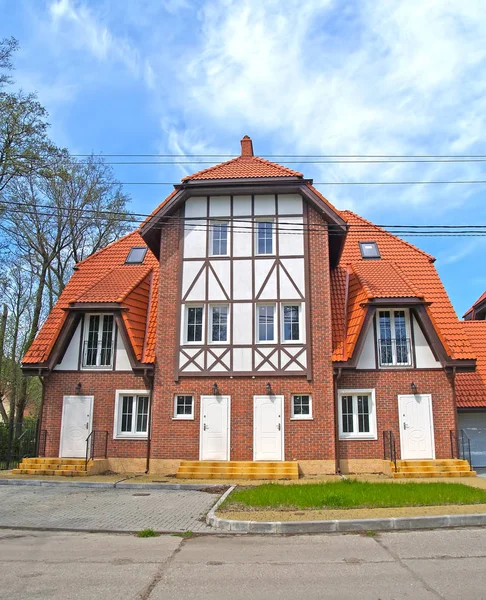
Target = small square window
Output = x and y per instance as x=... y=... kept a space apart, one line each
x=136 y=255
x=301 y=407
x=184 y=407
x=369 y=250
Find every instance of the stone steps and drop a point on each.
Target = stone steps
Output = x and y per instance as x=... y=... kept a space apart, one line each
x=65 y=467
x=237 y=470
x=432 y=468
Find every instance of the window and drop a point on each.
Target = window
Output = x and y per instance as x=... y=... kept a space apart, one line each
x=393 y=338
x=264 y=237
x=219 y=323
x=369 y=250
x=301 y=407
x=136 y=255
x=357 y=419
x=184 y=407
x=98 y=341
x=194 y=324
x=219 y=238
x=266 y=322
x=291 y=323
x=131 y=414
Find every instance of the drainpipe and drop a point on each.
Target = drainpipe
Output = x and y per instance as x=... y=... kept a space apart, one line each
x=337 y=377
x=149 y=425
x=41 y=411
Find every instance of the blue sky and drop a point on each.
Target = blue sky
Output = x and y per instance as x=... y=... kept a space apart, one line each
x=299 y=77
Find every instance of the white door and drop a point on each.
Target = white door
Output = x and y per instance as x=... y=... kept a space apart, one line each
x=268 y=428
x=416 y=426
x=215 y=428
x=76 y=425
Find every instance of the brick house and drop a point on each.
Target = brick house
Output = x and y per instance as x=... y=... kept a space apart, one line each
x=248 y=319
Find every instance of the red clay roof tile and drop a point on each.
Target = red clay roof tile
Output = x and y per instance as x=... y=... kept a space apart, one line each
x=471 y=387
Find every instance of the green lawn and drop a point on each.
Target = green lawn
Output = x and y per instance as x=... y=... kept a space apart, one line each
x=353 y=494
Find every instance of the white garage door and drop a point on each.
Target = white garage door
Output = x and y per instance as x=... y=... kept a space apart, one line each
x=474 y=425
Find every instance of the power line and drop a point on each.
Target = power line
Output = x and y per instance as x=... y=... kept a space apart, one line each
x=306 y=162
x=466 y=182
x=222 y=155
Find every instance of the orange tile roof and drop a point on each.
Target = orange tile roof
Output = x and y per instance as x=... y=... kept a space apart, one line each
x=242 y=168
x=478 y=301
x=413 y=274
x=115 y=285
x=471 y=387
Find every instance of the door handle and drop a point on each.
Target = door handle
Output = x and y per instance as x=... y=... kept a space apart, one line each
x=205 y=427
x=279 y=427
x=87 y=425
x=405 y=426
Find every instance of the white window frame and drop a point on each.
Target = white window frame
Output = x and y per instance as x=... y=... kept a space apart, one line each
x=394 y=364
x=293 y=416
x=134 y=435
x=210 y=327
x=275 y=323
x=357 y=435
x=186 y=324
x=211 y=236
x=177 y=417
x=282 y=323
x=274 y=236
x=84 y=349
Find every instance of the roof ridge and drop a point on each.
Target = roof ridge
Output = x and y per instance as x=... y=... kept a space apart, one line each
x=246 y=160
x=350 y=212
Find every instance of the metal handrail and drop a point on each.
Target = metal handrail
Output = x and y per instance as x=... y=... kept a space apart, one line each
x=42 y=441
x=91 y=445
x=392 y=348
x=390 y=447
x=461 y=446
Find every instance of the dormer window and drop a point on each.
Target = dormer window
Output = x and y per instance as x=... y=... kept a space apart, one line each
x=369 y=250
x=98 y=341
x=394 y=347
x=136 y=255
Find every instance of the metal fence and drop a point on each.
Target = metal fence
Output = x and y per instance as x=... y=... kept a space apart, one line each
x=15 y=446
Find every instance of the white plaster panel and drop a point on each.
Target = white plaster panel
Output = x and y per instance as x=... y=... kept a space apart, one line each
x=215 y=291
x=242 y=289
x=242 y=323
x=264 y=204
x=199 y=360
x=222 y=270
x=189 y=271
x=198 y=292
x=71 y=356
x=295 y=268
x=190 y=367
x=367 y=358
x=423 y=354
x=241 y=206
x=194 y=239
x=195 y=206
x=269 y=292
x=219 y=206
x=287 y=289
x=266 y=366
x=290 y=204
x=218 y=367
x=242 y=232
x=122 y=362
x=262 y=267
x=290 y=236
x=242 y=359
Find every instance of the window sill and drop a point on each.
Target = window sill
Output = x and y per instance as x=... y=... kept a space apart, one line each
x=301 y=418
x=183 y=418
x=130 y=437
x=358 y=438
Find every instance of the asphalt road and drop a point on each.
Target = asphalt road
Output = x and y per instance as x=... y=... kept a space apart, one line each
x=82 y=566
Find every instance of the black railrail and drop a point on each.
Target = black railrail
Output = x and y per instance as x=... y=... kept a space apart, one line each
x=16 y=445
x=461 y=446
x=41 y=443
x=96 y=445
x=390 y=447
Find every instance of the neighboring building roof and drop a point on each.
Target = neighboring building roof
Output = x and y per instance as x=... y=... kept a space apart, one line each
x=402 y=271
x=470 y=313
x=471 y=387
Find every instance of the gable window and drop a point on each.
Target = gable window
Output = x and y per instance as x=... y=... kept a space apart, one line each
x=131 y=413
x=98 y=341
x=394 y=338
x=136 y=255
x=184 y=407
x=219 y=323
x=264 y=237
x=301 y=407
x=369 y=250
x=194 y=324
x=357 y=416
x=291 y=322
x=266 y=322
x=219 y=238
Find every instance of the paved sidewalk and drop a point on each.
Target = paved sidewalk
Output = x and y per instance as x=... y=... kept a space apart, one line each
x=104 y=509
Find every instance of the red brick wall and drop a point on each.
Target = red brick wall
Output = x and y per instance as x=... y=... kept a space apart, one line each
x=303 y=439
x=390 y=384
x=100 y=385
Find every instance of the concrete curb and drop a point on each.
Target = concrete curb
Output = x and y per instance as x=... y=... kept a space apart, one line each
x=391 y=524
x=211 y=517
x=110 y=485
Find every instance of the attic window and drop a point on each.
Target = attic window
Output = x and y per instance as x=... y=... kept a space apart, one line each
x=136 y=255
x=369 y=250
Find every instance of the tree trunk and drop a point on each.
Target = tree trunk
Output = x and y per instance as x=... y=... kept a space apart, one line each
x=3 y=323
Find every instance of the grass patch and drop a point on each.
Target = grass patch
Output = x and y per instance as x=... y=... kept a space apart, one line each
x=147 y=533
x=184 y=534
x=352 y=494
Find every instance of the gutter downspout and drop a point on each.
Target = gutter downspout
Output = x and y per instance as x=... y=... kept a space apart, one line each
x=337 y=377
x=149 y=427
x=41 y=413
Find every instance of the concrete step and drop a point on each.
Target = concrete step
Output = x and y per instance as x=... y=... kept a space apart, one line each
x=194 y=469
x=454 y=468
x=428 y=474
x=226 y=475
x=63 y=472
x=56 y=461
x=432 y=463
x=27 y=464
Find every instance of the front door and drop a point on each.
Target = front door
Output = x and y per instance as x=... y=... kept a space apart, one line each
x=76 y=425
x=268 y=428
x=416 y=426
x=215 y=428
